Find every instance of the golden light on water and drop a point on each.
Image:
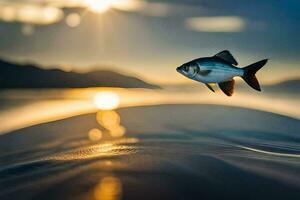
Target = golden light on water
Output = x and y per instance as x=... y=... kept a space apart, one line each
x=108 y=119
x=118 y=131
x=111 y=121
x=109 y=188
x=108 y=149
x=106 y=100
x=95 y=134
x=51 y=110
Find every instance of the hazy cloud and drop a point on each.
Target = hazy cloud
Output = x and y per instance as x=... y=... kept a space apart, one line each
x=30 y=13
x=216 y=24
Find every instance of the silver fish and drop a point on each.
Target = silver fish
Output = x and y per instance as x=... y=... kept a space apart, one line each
x=221 y=69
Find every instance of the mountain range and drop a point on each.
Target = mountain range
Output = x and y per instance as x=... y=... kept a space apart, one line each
x=14 y=75
x=291 y=86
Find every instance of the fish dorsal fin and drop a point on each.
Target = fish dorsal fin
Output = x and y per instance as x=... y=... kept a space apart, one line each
x=226 y=56
x=227 y=87
x=210 y=87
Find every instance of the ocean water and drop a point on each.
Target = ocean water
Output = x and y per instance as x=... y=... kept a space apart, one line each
x=154 y=145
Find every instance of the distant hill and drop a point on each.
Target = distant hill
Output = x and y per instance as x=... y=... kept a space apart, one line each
x=29 y=76
x=288 y=86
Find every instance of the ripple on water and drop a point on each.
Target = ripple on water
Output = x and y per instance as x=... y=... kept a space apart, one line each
x=114 y=148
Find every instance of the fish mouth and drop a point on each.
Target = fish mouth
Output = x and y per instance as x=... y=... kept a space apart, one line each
x=179 y=69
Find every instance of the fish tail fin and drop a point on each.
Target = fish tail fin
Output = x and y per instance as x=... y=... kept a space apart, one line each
x=250 y=71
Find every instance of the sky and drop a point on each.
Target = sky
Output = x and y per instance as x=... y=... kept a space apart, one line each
x=151 y=38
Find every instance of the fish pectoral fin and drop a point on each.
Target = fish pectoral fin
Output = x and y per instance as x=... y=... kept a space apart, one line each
x=227 y=87
x=226 y=56
x=210 y=87
x=204 y=72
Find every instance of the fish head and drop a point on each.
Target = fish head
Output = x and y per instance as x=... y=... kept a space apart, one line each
x=188 y=69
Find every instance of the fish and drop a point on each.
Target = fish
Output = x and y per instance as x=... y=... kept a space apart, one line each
x=221 y=69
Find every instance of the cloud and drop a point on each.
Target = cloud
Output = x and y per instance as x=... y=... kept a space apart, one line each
x=216 y=24
x=154 y=9
x=30 y=13
x=44 y=12
x=65 y=3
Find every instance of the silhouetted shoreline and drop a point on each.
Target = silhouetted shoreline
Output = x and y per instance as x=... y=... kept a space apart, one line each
x=31 y=76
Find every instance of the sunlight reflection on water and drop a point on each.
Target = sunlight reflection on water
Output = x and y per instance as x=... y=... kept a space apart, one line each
x=109 y=188
x=111 y=120
x=107 y=149
x=269 y=152
x=107 y=117
x=40 y=106
x=95 y=134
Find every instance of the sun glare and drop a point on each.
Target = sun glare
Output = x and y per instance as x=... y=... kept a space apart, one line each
x=106 y=100
x=99 y=6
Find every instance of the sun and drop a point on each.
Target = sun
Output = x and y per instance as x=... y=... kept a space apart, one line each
x=102 y=6
x=99 y=6
x=106 y=100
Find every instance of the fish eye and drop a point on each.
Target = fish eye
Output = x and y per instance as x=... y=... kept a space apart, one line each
x=186 y=68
